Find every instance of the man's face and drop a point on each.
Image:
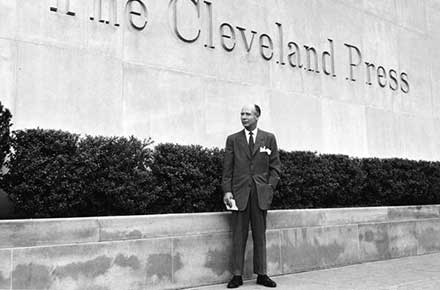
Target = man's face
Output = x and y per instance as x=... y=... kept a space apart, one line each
x=249 y=117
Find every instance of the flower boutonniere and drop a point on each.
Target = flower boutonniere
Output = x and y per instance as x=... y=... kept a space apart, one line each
x=264 y=149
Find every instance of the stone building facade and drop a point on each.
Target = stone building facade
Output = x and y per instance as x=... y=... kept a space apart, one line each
x=353 y=77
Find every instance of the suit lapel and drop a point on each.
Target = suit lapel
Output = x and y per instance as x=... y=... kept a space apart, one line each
x=244 y=144
x=259 y=142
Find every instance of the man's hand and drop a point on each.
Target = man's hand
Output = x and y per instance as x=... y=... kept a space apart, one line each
x=227 y=198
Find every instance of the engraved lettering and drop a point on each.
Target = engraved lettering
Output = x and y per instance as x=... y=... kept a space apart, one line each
x=227 y=33
x=381 y=76
x=281 y=44
x=66 y=9
x=331 y=56
x=247 y=45
x=211 y=25
x=393 y=80
x=175 y=20
x=266 y=46
x=292 y=54
x=405 y=84
x=189 y=21
x=99 y=8
x=137 y=14
x=368 y=67
x=311 y=50
x=353 y=64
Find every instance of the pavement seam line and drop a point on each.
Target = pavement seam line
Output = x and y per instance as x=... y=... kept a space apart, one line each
x=281 y=257
x=88 y=243
x=12 y=267
x=172 y=260
x=409 y=283
x=358 y=244
x=99 y=230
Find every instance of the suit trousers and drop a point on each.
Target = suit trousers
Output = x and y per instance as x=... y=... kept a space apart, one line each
x=240 y=230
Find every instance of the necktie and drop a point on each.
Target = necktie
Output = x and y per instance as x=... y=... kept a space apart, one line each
x=251 y=142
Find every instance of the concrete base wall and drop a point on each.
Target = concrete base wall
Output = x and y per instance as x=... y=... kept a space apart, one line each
x=182 y=250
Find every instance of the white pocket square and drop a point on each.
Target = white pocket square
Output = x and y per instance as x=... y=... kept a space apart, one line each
x=264 y=149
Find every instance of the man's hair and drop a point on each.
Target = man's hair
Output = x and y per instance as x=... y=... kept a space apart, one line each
x=257 y=109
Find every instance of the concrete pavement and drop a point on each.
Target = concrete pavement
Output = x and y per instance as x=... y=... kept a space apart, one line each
x=409 y=273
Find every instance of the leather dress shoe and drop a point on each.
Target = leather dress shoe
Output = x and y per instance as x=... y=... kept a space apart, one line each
x=266 y=281
x=235 y=282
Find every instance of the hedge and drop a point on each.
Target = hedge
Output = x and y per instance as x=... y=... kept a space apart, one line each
x=5 y=139
x=59 y=174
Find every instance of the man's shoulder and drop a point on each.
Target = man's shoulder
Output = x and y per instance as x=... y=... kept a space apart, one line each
x=235 y=135
x=266 y=133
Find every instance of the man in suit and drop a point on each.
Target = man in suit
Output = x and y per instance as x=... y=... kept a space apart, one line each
x=251 y=171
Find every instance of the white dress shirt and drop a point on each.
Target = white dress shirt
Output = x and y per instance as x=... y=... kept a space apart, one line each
x=254 y=134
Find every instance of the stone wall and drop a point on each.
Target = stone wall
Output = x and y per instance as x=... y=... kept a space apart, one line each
x=78 y=74
x=182 y=250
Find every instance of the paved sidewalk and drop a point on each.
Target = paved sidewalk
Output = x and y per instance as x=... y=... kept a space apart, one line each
x=409 y=273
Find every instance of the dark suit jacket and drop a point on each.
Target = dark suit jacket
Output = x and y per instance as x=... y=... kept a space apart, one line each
x=240 y=167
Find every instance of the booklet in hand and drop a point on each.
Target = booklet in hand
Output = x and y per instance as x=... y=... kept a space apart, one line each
x=233 y=205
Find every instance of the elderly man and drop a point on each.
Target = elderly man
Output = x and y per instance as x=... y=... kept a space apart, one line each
x=251 y=171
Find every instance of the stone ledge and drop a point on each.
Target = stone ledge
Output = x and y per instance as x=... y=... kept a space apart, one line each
x=186 y=250
x=40 y=232
x=154 y=226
